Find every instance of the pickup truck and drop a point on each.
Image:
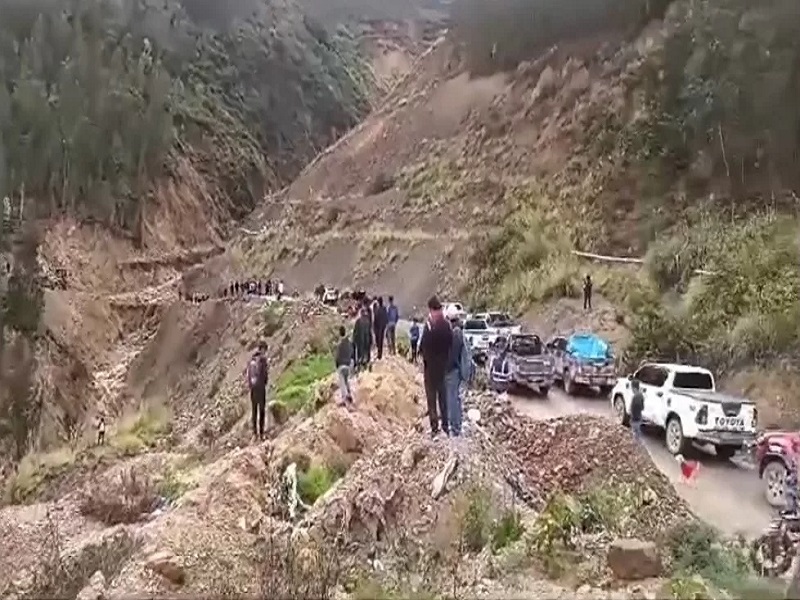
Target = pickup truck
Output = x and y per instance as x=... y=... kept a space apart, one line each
x=583 y=360
x=500 y=322
x=683 y=401
x=529 y=365
x=480 y=337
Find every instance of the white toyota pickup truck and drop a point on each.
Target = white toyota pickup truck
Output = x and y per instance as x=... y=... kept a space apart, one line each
x=683 y=401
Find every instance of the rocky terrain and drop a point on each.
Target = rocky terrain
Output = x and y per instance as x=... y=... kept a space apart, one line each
x=470 y=177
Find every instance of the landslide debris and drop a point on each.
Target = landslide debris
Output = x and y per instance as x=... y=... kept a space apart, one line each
x=374 y=519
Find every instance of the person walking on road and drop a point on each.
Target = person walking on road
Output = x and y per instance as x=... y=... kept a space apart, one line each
x=587 y=293
x=380 y=321
x=637 y=408
x=459 y=371
x=257 y=374
x=435 y=345
x=413 y=339
x=362 y=340
x=344 y=364
x=393 y=316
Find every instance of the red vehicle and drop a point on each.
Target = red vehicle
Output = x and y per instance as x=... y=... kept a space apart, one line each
x=773 y=450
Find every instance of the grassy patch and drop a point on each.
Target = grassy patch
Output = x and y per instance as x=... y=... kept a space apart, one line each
x=507 y=529
x=295 y=387
x=142 y=431
x=313 y=483
x=35 y=470
x=476 y=520
x=173 y=484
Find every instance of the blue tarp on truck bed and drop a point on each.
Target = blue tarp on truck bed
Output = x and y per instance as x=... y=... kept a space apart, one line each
x=588 y=346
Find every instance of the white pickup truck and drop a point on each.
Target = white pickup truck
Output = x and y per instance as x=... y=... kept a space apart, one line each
x=683 y=401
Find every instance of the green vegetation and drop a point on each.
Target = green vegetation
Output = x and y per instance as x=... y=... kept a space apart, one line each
x=703 y=564
x=102 y=97
x=314 y=482
x=481 y=525
x=296 y=386
x=142 y=431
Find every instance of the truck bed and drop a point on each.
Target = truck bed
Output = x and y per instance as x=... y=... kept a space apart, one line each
x=713 y=397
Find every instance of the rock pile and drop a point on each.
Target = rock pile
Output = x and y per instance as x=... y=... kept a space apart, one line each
x=576 y=453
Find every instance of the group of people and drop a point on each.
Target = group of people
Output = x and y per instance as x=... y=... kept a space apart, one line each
x=237 y=289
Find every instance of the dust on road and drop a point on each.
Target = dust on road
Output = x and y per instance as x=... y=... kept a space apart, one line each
x=726 y=494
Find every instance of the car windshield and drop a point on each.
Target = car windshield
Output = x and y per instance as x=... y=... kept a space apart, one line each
x=696 y=380
x=527 y=346
x=475 y=325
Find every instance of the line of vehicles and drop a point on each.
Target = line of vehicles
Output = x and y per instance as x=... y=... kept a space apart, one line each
x=681 y=400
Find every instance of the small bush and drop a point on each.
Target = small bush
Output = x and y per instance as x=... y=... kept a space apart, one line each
x=295 y=387
x=173 y=485
x=476 y=520
x=129 y=496
x=313 y=483
x=272 y=318
x=507 y=529
x=35 y=470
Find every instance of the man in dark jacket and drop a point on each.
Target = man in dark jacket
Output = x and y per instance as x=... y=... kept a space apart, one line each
x=380 y=320
x=637 y=408
x=435 y=347
x=257 y=374
x=362 y=340
x=587 y=293
x=393 y=316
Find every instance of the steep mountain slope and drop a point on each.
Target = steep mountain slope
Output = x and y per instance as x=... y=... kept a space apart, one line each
x=673 y=136
x=131 y=133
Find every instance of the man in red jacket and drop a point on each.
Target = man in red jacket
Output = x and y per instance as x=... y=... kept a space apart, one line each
x=435 y=345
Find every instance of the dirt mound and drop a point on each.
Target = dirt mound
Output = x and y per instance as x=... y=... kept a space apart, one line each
x=573 y=454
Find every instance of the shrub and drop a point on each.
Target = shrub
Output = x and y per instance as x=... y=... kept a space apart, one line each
x=35 y=470
x=313 y=483
x=295 y=387
x=507 y=529
x=125 y=500
x=476 y=520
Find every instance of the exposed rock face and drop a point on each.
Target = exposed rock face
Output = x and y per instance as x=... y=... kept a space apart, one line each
x=96 y=590
x=166 y=564
x=633 y=559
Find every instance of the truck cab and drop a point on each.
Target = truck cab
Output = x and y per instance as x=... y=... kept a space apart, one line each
x=530 y=365
x=683 y=401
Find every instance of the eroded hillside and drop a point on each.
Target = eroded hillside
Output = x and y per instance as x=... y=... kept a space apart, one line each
x=670 y=136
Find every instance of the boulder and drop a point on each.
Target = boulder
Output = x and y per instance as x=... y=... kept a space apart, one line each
x=633 y=559
x=95 y=590
x=166 y=564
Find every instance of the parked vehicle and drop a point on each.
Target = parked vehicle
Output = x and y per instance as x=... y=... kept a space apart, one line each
x=583 y=360
x=529 y=365
x=683 y=401
x=454 y=310
x=330 y=296
x=500 y=322
x=773 y=553
x=773 y=449
x=479 y=336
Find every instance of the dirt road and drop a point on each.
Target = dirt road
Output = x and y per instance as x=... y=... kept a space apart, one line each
x=726 y=494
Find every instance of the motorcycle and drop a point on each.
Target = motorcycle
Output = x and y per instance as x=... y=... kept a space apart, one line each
x=773 y=552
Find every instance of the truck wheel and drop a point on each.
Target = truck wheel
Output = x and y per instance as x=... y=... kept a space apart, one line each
x=605 y=390
x=725 y=452
x=619 y=409
x=569 y=386
x=676 y=443
x=774 y=476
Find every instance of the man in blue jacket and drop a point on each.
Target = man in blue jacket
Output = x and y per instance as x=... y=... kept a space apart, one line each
x=392 y=317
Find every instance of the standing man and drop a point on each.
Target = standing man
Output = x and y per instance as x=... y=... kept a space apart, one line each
x=413 y=339
x=587 y=293
x=380 y=321
x=435 y=345
x=280 y=289
x=393 y=316
x=637 y=408
x=362 y=340
x=344 y=364
x=257 y=374
x=459 y=370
